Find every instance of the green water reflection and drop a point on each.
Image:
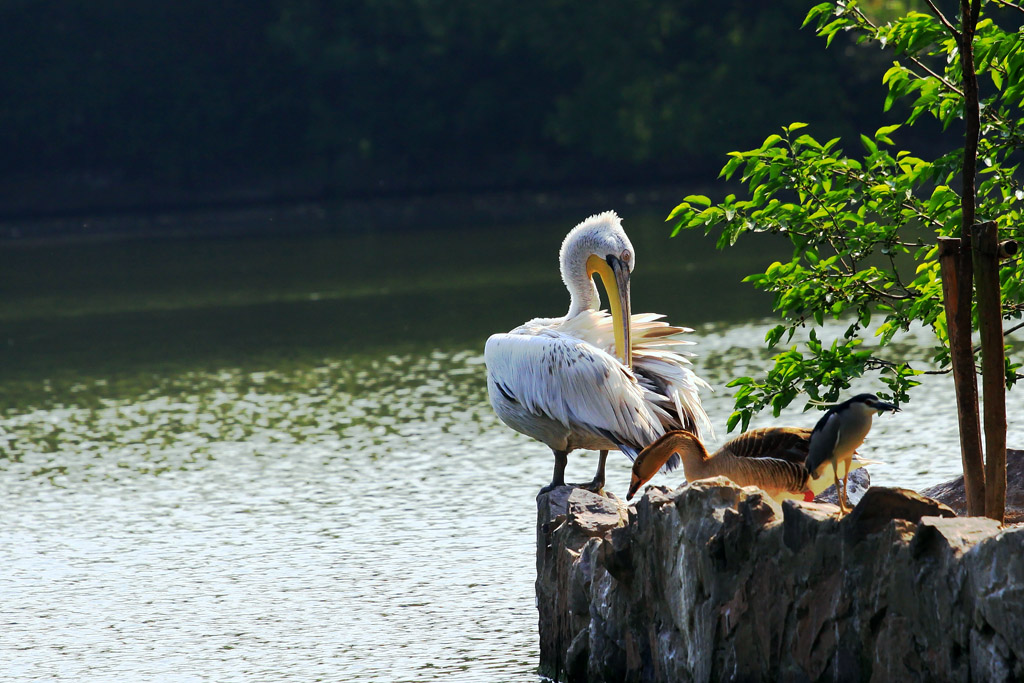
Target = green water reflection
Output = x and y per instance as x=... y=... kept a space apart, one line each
x=128 y=312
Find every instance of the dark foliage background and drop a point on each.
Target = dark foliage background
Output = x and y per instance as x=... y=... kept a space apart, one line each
x=115 y=103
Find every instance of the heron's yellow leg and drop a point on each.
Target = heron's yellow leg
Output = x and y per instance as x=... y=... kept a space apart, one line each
x=839 y=491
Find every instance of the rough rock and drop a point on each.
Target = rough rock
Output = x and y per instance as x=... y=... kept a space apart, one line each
x=952 y=492
x=856 y=487
x=880 y=505
x=714 y=582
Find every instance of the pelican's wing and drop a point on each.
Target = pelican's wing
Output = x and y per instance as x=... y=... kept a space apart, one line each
x=824 y=439
x=648 y=332
x=572 y=382
x=677 y=387
x=659 y=361
x=658 y=355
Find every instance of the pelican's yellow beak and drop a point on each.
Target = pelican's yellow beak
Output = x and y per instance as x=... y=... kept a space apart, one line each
x=615 y=276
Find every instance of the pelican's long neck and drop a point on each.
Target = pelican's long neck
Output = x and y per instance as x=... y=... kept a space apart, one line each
x=599 y=246
x=583 y=294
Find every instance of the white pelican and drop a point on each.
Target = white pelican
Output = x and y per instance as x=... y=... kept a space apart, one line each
x=557 y=380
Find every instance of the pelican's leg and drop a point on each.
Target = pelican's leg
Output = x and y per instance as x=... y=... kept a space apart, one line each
x=558 y=476
x=598 y=483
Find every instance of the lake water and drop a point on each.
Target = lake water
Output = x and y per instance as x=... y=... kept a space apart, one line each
x=273 y=458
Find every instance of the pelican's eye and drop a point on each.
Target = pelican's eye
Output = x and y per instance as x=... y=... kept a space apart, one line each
x=625 y=256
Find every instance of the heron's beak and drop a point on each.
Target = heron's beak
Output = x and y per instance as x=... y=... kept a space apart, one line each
x=615 y=277
x=883 y=407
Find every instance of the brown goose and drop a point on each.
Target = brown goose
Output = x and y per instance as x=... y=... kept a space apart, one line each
x=770 y=458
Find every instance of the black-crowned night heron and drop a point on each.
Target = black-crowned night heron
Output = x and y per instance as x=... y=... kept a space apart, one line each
x=839 y=433
x=771 y=459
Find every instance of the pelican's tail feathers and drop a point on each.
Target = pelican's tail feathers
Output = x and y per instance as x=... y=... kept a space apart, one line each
x=630 y=451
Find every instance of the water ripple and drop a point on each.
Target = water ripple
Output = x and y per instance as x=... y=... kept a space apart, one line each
x=360 y=518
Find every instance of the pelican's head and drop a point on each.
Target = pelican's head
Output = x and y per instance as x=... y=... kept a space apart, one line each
x=599 y=245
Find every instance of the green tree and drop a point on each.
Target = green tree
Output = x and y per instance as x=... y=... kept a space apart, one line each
x=864 y=226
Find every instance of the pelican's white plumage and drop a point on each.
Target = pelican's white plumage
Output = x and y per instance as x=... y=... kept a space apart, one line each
x=563 y=381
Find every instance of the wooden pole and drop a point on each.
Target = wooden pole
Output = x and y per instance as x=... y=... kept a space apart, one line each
x=993 y=373
x=958 y=324
x=958 y=275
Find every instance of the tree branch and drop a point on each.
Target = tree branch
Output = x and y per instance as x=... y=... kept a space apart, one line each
x=887 y=295
x=915 y=60
x=1009 y=5
x=874 y=363
x=945 y=22
x=1013 y=329
x=989 y=113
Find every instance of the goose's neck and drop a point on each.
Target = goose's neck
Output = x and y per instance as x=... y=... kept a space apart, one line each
x=697 y=464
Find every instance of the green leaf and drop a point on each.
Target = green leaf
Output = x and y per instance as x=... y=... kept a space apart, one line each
x=697 y=199
x=680 y=209
x=885 y=130
x=773 y=335
x=730 y=168
x=816 y=11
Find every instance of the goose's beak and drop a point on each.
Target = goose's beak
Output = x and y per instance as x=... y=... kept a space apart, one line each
x=635 y=483
x=615 y=276
x=650 y=460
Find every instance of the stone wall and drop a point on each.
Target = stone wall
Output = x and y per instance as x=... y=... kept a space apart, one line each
x=713 y=582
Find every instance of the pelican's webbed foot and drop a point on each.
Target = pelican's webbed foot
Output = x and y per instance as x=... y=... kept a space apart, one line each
x=551 y=487
x=596 y=485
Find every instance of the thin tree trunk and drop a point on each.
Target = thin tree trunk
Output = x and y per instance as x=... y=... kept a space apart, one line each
x=993 y=373
x=958 y=325
x=962 y=353
x=972 y=120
